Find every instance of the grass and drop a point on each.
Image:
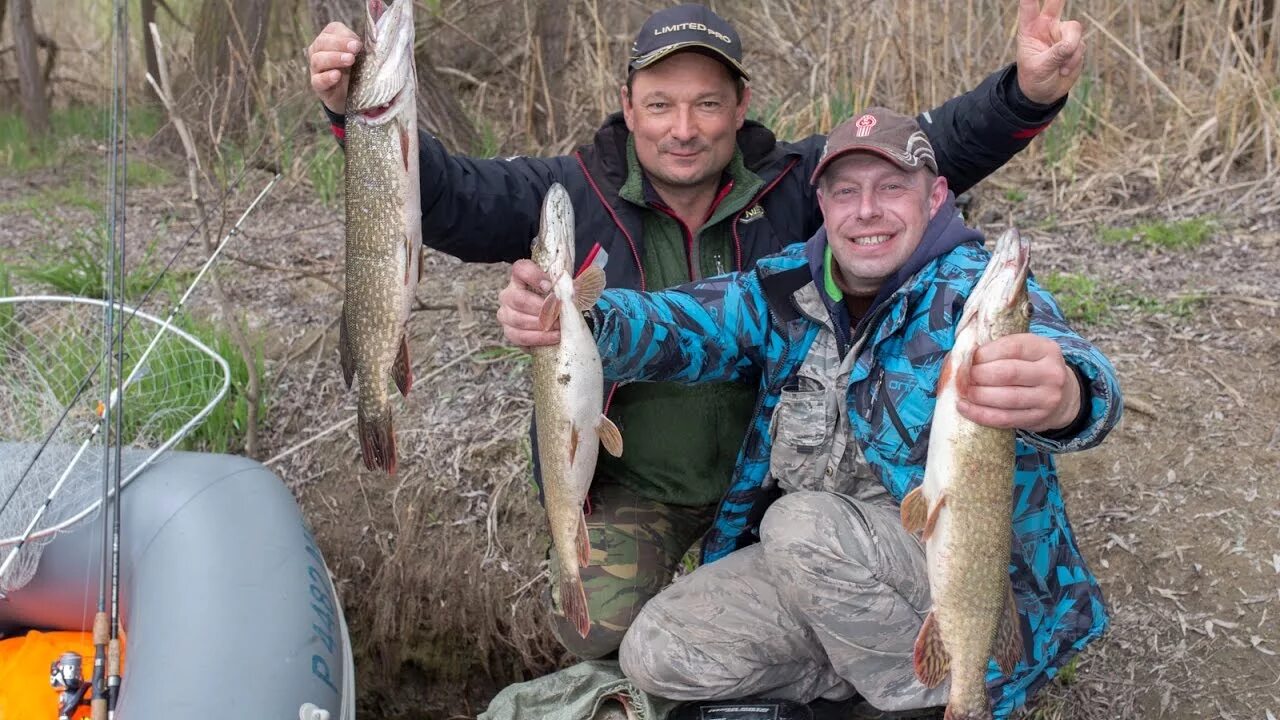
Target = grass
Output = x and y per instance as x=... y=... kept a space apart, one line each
x=175 y=383
x=72 y=129
x=326 y=173
x=1073 y=124
x=1174 y=235
x=1081 y=298
x=1085 y=300
x=78 y=269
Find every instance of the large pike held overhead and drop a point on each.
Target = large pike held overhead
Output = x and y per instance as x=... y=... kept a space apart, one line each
x=965 y=506
x=568 y=401
x=384 y=223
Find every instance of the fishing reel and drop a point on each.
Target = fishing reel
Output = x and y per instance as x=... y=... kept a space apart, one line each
x=67 y=676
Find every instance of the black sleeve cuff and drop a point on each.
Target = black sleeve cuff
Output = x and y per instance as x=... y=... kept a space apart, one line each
x=335 y=118
x=1082 y=417
x=1022 y=107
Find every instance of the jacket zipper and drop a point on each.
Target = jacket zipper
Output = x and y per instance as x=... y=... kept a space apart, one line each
x=737 y=239
x=772 y=380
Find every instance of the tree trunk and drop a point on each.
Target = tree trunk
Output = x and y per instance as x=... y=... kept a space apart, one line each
x=149 y=43
x=439 y=111
x=551 y=38
x=230 y=43
x=35 y=105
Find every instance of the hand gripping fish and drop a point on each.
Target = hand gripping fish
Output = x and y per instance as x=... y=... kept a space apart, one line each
x=568 y=400
x=965 y=506
x=384 y=223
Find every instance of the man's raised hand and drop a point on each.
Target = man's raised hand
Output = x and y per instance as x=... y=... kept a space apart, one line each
x=1050 y=51
x=331 y=56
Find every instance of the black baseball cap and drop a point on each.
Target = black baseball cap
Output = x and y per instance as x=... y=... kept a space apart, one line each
x=687 y=27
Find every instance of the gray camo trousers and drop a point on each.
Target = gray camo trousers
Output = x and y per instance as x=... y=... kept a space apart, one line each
x=827 y=604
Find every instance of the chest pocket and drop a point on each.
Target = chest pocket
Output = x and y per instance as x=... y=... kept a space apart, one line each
x=803 y=426
x=805 y=420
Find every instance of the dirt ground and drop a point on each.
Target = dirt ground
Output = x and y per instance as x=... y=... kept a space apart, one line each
x=440 y=568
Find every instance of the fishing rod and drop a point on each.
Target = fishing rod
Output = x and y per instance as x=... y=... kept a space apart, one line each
x=106 y=628
x=165 y=326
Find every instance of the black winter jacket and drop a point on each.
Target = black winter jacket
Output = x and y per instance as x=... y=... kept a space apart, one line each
x=486 y=210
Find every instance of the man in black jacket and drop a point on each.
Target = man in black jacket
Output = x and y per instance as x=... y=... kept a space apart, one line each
x=675 y=187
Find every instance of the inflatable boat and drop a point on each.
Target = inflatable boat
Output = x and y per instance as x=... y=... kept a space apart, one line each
x=226 y=604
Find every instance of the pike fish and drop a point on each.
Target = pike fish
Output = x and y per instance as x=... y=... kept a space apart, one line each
x=965 y=506
x=383 y=223
x=568 y=390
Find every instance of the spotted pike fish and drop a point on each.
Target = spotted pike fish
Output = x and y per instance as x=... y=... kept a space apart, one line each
x=568 y=401
x=383 y=224
x=965 y=506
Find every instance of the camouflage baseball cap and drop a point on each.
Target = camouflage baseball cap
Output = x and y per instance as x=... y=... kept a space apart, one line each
x=687 y=27
x=895 y=137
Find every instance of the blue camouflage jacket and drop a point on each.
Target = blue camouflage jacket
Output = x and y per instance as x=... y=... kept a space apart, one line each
x=745 y=327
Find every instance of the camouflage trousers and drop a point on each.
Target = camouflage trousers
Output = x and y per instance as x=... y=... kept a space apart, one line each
x=636 y=546
x=828 y=603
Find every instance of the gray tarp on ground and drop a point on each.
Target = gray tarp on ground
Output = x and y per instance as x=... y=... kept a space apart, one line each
x=575 y=693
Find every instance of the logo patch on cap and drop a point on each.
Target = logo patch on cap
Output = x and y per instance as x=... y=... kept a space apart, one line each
x=864 y=125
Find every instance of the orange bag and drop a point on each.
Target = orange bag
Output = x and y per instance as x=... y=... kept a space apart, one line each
x=25 y=693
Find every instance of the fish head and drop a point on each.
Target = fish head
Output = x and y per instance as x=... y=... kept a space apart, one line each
x=553 y=249
x=383 y=79
x=999 y=304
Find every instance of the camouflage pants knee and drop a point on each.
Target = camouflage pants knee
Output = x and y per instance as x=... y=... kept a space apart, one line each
x=827 y=604
x=636 y=546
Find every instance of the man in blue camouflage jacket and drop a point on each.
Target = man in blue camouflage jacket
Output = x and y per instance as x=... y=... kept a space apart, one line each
x=810 y=587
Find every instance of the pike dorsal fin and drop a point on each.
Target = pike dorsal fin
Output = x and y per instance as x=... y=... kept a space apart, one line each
x=1008 y=647
x=345 y=358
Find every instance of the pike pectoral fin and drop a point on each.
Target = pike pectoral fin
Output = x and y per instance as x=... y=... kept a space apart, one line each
x=344 y=351
x=573 y=443
x=583 y=541
x=402 y=370
x=610 y=437
x=550 y=312
x=378 y=443
x=932 y=663
x=915 y=508
x=587 y=288
x=932 y=521
x=1008 y=647
x=573 y=599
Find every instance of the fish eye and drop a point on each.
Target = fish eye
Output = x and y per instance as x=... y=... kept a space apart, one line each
x=1027 y=309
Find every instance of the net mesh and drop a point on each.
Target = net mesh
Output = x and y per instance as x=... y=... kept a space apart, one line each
x=47 y=348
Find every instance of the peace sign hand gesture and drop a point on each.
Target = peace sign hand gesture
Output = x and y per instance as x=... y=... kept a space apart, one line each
x=1050 y=51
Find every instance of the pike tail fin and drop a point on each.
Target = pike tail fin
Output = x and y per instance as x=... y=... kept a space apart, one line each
x=932 y=662
x=573 y=601
x=378 y=442
x=402 y=370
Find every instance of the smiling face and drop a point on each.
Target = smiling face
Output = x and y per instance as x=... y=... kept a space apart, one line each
x=684 y=113
x=875 y=214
